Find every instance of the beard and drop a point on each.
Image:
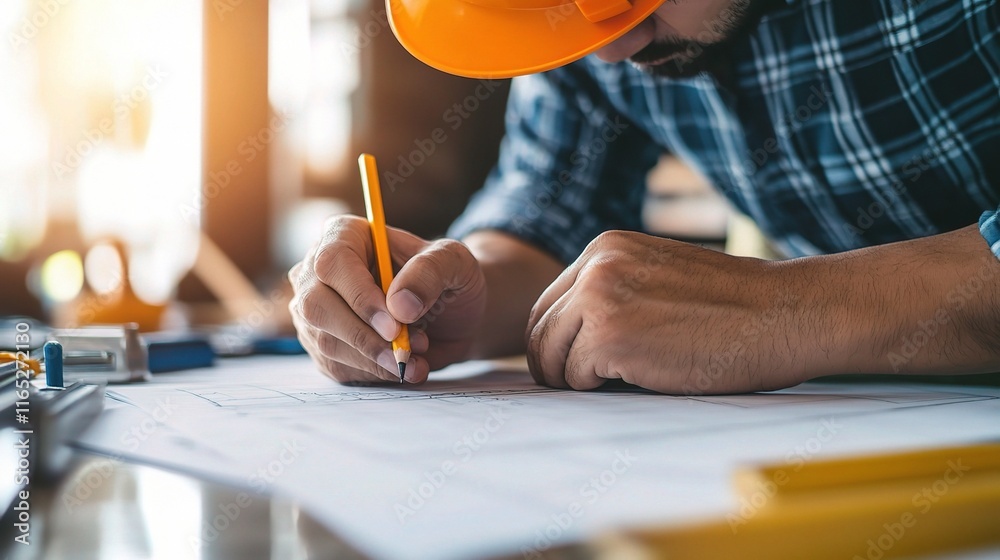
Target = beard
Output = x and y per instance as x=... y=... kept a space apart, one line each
x=678 y=57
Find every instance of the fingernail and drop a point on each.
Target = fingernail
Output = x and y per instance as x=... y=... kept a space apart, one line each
x=388 y=362
x=419 y=341
x=407 y=304
x=385 y=326
x=411 y=368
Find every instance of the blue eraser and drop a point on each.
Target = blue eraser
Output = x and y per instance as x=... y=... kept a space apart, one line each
x=53 y=353
x=176 y=351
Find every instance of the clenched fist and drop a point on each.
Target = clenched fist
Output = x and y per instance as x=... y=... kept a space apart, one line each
x=346 y=323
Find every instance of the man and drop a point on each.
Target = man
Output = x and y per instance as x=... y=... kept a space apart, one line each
x=862 y=137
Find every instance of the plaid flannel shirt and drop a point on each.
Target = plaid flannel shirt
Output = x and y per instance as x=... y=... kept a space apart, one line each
x=834 y=125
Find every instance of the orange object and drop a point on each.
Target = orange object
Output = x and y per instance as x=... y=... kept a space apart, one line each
x=505 y=38
x=380 y=238
x=32 y=365
x=118 y=307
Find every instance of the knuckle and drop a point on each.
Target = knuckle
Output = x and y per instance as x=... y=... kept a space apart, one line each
x=340 y=222
x=579 y=366
x=304 y=339
x=606 y=239
x=444 y=254
x=434 y=258
x=329 y=257
x=355 y=298
x=309 y=307
x=613 y=242
x=536 y=334
x=374 y=370
x=449 y=246
x=296 y=304
x=346 y=230
x=597 y=276
x=327 y=345
x=533 y=317
x=361 y=340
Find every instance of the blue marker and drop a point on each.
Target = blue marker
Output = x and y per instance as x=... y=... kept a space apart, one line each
x=52 y=351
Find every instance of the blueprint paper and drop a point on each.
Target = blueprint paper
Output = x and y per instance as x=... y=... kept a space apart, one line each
x=482 y=461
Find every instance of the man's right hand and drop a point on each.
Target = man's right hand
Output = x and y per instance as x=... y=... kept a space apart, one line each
x=346 y=323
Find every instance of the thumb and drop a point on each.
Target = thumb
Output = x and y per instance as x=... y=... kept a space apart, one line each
x=443 y=266
x=404 y=245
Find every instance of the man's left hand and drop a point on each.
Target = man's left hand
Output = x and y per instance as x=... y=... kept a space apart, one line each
x=667 y=316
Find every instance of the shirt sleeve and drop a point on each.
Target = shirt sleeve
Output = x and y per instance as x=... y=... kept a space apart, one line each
x=570 y=166
x=990 y=229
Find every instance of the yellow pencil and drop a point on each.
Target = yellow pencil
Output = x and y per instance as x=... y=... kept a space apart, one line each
x=380 y=239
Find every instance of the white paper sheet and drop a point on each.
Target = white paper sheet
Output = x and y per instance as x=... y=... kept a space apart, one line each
x=481 y=461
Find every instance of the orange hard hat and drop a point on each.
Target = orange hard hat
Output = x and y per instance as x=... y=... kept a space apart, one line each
x=506 y=38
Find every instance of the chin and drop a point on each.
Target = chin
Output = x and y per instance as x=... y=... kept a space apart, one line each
x=675 y=68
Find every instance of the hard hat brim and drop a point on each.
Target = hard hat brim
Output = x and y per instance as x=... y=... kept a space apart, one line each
x=477 y=41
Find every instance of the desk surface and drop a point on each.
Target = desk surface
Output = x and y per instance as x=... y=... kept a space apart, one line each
x=118 y=509
x=126 y=514
x=115 y=509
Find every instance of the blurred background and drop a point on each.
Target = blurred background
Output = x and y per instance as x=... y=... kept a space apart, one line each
x=166 y=161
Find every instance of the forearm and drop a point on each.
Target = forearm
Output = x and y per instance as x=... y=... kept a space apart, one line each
x=927 y=306
x=516 y=274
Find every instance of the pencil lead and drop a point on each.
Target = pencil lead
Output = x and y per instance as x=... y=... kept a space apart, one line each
x=402 y=370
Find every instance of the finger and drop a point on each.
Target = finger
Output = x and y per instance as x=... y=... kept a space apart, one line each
x=332 y=368
x=419 y=343
x=293 y=273
x=556 y=290
x=341 y=362
x=384 y=367
x=320 y=308
x=445 y=265
x=550 y=341
x=420 y=368
x=338 y=351
x=343 y=263
x=586 y=365
x=403 y=244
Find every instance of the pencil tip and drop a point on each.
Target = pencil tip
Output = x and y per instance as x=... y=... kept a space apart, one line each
x=402 y=371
